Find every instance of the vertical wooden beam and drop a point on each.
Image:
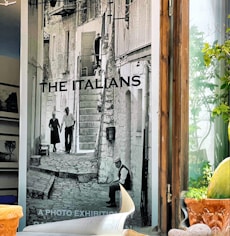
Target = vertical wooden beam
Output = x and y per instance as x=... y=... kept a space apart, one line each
x=180 y=98
x=164 y=114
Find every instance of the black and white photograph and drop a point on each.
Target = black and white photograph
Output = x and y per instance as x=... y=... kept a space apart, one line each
x=114 y=117
x=9 y=149
x=9 y=101
x=89 y=114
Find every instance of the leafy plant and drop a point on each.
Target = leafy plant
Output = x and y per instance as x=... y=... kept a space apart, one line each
x=217 y=59
x=197 y=193
x=198 y=187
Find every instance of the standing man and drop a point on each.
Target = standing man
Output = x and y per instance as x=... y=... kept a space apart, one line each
x=69 y=121
x=123 y=179
x=97 y=45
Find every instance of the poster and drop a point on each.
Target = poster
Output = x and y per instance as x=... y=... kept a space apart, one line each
x=9 y=145
x=92 y=58
x=9 y=108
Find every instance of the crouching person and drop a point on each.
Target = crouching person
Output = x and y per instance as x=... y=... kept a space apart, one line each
x=123 y=179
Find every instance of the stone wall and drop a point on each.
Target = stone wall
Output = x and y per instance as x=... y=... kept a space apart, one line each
x=55 y=100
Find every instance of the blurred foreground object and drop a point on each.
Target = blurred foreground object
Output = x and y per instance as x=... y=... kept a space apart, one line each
x=112 y=224
x=9 y=219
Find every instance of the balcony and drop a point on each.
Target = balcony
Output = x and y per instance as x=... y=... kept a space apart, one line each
x=65 y=8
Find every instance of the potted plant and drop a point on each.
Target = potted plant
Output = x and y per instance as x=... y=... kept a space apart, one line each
x=208 y=198
x=216 y=58
x=208 y=201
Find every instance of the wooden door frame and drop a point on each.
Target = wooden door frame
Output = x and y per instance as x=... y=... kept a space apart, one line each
x=180 y=106
x=174 y=90
x=164 y=114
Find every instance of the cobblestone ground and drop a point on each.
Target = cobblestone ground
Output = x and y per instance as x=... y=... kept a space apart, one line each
x=69 y=196
x=68 y=200
x=76 y=164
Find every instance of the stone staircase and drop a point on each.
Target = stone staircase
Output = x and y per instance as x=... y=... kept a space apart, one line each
x=89 y=117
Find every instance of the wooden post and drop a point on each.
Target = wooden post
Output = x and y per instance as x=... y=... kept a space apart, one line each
x=180 y=97
x=164 y=113
x=174 y=73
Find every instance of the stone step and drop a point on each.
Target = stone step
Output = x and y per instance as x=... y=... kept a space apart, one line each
x=87 y=139
x=39 y=185
x=89 y=124
x=89 y=120
x=87 y=146
x=89 y=91
x=88 y=131
x=89 y=97
x=88 y=111
x=92 y=118
x=88 y=104
x=80 y=177
x=82 y=167
x=92 y=86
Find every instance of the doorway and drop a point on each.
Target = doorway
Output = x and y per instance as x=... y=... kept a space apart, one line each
x=87 y=58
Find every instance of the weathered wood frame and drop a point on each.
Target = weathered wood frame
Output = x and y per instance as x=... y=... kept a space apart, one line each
x=174 y=87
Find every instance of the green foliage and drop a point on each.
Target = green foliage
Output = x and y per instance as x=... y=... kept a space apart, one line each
x=197 y=193
x=209 y=82
x=222 y=109
x=198 y=187
x=217 y=59
x=204 y=178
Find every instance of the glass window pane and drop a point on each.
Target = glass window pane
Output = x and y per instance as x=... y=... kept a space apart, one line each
x=207 y=137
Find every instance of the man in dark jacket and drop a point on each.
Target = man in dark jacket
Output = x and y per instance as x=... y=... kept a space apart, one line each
x=123 y=178
x=97 y=44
